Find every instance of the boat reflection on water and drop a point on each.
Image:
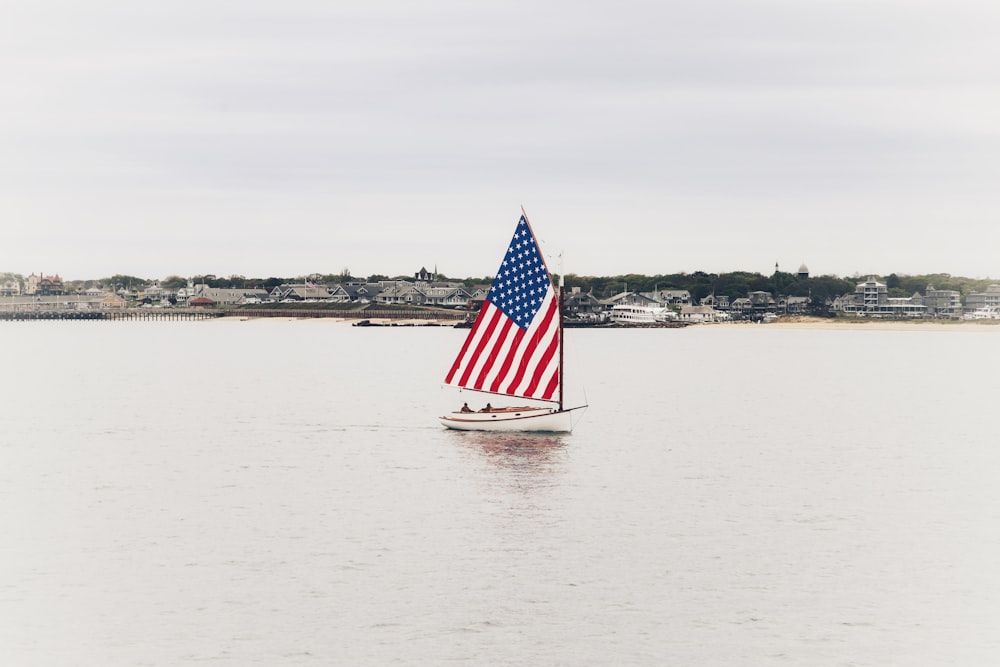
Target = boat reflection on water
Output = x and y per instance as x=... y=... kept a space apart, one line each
x=526 y=452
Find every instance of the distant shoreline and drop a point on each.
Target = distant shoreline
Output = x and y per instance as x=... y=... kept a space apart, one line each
x=790 y=322
x=860 y=323
x=425 y=319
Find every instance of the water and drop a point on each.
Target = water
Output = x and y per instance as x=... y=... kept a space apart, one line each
x=271 y=492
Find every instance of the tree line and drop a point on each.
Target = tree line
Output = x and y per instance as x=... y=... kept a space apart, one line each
x=737 y=284
x=699 y=284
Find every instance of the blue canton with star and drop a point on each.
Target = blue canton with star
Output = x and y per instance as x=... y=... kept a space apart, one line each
x=522 y=281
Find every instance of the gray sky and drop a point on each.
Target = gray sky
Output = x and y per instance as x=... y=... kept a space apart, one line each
x=282 y=137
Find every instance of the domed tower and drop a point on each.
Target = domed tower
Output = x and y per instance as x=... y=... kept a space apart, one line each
x=803 y=272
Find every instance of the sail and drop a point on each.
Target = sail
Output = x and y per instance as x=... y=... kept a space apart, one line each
x=513 y=346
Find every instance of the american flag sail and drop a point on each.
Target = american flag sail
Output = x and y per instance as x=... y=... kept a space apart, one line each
x=513 y=347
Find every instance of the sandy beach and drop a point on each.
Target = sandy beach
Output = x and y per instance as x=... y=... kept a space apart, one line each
x=373 y=321
x=802 y=322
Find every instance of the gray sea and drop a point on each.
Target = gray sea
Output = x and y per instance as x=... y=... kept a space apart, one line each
x=280 y=493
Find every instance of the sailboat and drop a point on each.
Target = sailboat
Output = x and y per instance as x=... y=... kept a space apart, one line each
x=514 y=349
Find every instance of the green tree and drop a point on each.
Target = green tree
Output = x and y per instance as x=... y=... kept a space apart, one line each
x=122 y=281
x=825 y=288
x=270 y=283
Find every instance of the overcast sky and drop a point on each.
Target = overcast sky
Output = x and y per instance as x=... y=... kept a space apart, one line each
x=283 y=137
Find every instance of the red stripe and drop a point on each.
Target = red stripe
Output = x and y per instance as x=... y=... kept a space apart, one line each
x=535 y=339
x=502 y=375
x=543 y=364
x=496 y=314
x=538 y=371
x=493 y=353
x=468 y=339
x=553 y=385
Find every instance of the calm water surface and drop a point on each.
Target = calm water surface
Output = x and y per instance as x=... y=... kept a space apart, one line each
x=273 y=492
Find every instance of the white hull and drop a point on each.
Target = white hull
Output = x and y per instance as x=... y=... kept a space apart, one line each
x=511 y=419
x=641 y=314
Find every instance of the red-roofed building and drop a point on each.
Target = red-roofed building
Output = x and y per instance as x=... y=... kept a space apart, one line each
x=43 y=285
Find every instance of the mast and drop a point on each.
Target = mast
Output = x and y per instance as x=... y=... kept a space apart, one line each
x=559 y=296
x=562 y=283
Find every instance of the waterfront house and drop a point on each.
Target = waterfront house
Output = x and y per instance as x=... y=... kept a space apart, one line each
x=871 y=298
x=793 y=305
x=741 y=308
x=479 y=294
x=719 y=303
x=112 y=301
x=295 y=292
x=447 y=295
x=43 y=285
x=225 y=296
x=629 y=299
x=698 y=314
x=155 y=293
x=339 y=294
x=402 y=293
x=367 y=292
x=583 y=304
x=670 y=297
x=943 y=303
x=761 y=303
x=10 y=287
x=990 y=298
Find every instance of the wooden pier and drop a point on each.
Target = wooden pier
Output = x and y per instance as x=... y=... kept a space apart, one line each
x=117 y=314
x=353 y=314
x=186 y=314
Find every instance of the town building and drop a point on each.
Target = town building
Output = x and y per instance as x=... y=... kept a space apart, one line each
x=720 y=302
x=981 y=300
x=425 y=276
x=700 y=314
x=223 y=295
x=871 y=298
x=762 y=303
x=943 y=302
x=43 y=285
x=670 y=297
x=793 y=305
x=583 y=305
x=10 y=287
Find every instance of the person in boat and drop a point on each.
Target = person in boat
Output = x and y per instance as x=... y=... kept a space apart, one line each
x=466 y=408
x=488 y=408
